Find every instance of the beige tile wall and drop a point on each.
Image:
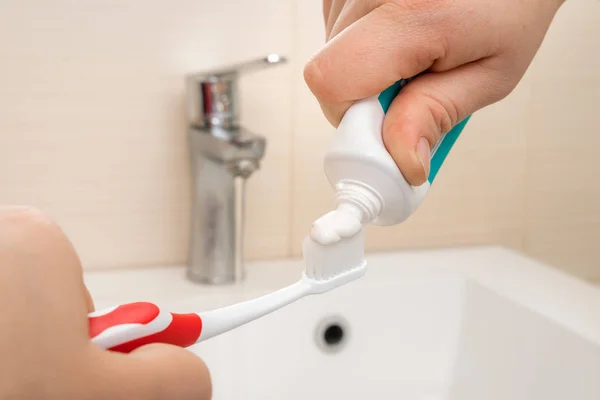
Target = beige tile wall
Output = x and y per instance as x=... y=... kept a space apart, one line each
x=563 y=200
x=92 y=124
x=92 y=130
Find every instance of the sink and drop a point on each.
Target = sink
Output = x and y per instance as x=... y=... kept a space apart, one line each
x=472 y=323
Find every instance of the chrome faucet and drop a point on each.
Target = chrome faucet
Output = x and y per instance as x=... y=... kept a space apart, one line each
x=224 y=155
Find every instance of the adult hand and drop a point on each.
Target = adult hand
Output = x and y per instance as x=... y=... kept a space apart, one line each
x=44 y=342
x=475 y=52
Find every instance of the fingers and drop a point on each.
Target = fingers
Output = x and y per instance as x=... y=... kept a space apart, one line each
x=372 y=45
x=431 y=105
x=154 y=372
x=350 y=13
x=326 y=9
x=369 y=56
x=335 y=7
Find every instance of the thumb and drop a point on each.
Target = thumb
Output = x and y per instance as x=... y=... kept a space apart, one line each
x=430 y=106
x=154 y=372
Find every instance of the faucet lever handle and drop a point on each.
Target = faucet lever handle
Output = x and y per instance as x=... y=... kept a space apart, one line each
x=212 y=93
x=234 y=69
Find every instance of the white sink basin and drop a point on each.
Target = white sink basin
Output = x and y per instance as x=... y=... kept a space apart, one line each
x=468 y=324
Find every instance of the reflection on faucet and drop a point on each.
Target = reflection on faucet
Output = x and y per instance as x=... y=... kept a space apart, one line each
x=224 y=155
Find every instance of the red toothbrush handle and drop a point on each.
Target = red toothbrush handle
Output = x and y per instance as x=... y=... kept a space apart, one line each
x=129 y=326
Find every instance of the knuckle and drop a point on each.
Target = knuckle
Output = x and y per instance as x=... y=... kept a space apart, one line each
x=331 y=101
x=443 y=109
x=36 y=244
x=318 y=80
x=25 y=215
x=28 y=226
x=311 y=74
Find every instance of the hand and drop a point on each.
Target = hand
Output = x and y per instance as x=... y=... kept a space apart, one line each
x=44 y=342
x=475 y=52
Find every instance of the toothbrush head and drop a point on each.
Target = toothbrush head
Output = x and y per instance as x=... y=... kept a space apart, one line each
x=331 y=265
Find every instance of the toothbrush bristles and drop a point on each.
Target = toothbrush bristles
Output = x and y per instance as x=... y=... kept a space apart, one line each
x=327 y=261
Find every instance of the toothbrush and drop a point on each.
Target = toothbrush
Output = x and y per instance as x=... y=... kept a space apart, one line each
x=126 y=327
x=328 y=265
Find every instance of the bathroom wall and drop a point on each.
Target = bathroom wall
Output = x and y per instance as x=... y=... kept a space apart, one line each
x=92 y=130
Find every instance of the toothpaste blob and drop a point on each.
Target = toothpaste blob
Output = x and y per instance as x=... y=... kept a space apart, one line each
x=335 y=226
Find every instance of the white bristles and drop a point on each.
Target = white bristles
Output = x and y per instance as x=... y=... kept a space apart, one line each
x=327 y=261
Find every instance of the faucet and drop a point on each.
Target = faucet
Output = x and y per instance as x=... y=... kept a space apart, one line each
x=223 y=156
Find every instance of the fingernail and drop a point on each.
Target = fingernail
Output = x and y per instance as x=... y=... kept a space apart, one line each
x=424 y=154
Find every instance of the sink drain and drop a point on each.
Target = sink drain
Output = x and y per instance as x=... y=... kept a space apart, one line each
x=332 y=334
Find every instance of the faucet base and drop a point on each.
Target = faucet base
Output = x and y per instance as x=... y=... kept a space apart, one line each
x=213 y=280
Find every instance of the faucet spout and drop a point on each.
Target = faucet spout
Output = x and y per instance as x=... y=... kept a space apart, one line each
x=216 y=248
x=221 y=164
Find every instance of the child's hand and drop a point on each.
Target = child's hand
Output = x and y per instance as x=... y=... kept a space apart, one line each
x=476 y=52
x=44 y=343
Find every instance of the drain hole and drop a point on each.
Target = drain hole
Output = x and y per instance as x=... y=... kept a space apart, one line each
x=333 y=335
